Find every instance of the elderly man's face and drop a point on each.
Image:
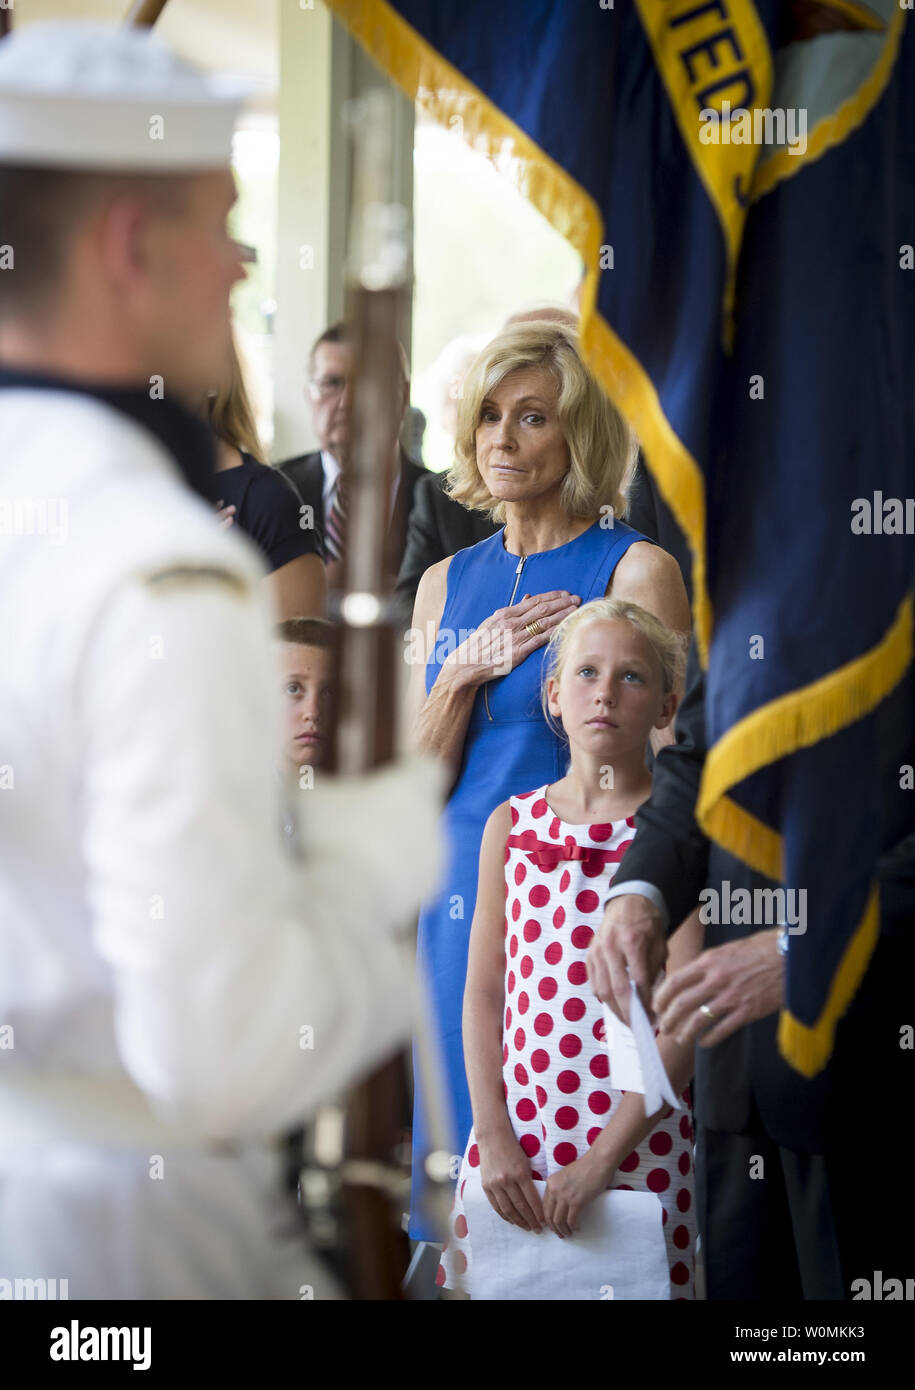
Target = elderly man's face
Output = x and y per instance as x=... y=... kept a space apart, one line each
x=329 y=393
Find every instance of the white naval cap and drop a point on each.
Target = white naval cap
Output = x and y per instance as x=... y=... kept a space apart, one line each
x=89 y=95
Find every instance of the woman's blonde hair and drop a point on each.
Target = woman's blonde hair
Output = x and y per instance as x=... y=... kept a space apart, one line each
x=602 y=447
x=231 y=415
x=667 y=645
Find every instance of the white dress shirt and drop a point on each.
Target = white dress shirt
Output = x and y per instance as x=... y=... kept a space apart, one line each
x=332 y=471
x=647 y=890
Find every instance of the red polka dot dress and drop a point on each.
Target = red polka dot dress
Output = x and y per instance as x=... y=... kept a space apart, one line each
x=555 y=1070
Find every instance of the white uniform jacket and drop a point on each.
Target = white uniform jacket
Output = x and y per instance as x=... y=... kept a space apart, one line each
x=157 y=941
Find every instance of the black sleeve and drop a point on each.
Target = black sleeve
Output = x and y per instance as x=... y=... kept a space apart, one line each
x=271 y=518
x=650 y=514
x=423 y=545
x=670 y=850
x=641 y=514
x=306 y=474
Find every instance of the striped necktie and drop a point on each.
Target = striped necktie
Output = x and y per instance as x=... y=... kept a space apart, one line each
x=335 y=524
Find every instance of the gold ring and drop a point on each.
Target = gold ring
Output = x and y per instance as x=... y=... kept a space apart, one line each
x=704 y=1009
x=534 y=627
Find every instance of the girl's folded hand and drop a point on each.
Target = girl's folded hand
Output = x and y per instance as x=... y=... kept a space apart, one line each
x=569 y=1190
x=505 y=1172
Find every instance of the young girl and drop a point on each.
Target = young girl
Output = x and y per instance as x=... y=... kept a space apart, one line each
x=550 y=1130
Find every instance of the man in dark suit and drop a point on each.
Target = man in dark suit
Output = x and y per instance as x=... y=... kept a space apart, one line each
x=437 y=527
x=317 y=475
x=798 y=1188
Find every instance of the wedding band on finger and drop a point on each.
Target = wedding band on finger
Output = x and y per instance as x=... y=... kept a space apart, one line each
x=704 y=1009
x=534 y=627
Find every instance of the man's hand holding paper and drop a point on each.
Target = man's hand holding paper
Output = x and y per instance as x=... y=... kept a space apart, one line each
x=629 y=945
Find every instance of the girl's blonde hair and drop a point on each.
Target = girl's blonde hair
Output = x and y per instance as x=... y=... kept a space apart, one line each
x=667 y=645
x=602 y=447
x=231 y=415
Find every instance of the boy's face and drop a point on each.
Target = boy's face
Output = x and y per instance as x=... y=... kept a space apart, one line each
x=306 y=674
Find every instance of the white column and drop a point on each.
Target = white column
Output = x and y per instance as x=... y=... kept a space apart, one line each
x=303 y=275
x=321 y=67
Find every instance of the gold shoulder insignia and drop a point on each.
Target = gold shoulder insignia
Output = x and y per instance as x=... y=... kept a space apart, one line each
x=189 y=576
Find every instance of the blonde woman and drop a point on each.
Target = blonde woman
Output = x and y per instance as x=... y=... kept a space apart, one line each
x=263 y=503
x=541 y=448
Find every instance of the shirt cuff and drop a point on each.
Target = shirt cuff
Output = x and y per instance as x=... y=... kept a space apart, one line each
x=647 y=890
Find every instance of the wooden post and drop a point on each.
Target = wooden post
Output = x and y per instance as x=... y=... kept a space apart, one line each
x=144 y=13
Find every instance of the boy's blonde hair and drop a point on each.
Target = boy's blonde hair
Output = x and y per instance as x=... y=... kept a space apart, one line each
x=667 y=645
x=602 y=447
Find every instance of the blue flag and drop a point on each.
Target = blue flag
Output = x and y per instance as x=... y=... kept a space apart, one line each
x=738 y=179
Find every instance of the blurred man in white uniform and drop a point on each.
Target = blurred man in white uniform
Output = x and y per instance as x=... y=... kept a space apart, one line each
x=174 y=989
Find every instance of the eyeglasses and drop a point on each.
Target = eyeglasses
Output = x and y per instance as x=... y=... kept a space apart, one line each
x=323 y=387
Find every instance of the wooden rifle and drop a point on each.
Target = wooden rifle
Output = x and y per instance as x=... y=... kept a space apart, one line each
x=144 y=13
x=376 y=1247
x=366 y=1143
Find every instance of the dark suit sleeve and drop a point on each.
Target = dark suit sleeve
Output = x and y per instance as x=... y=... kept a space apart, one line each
x=642 y=514
x=306 y=473
x=424 y=545
x=669 y=849
x=650 y=514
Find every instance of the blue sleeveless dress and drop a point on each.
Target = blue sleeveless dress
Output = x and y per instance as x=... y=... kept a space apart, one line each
x=509 y=749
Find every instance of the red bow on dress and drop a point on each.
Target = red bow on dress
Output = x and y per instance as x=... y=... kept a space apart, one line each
x=546 y=856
